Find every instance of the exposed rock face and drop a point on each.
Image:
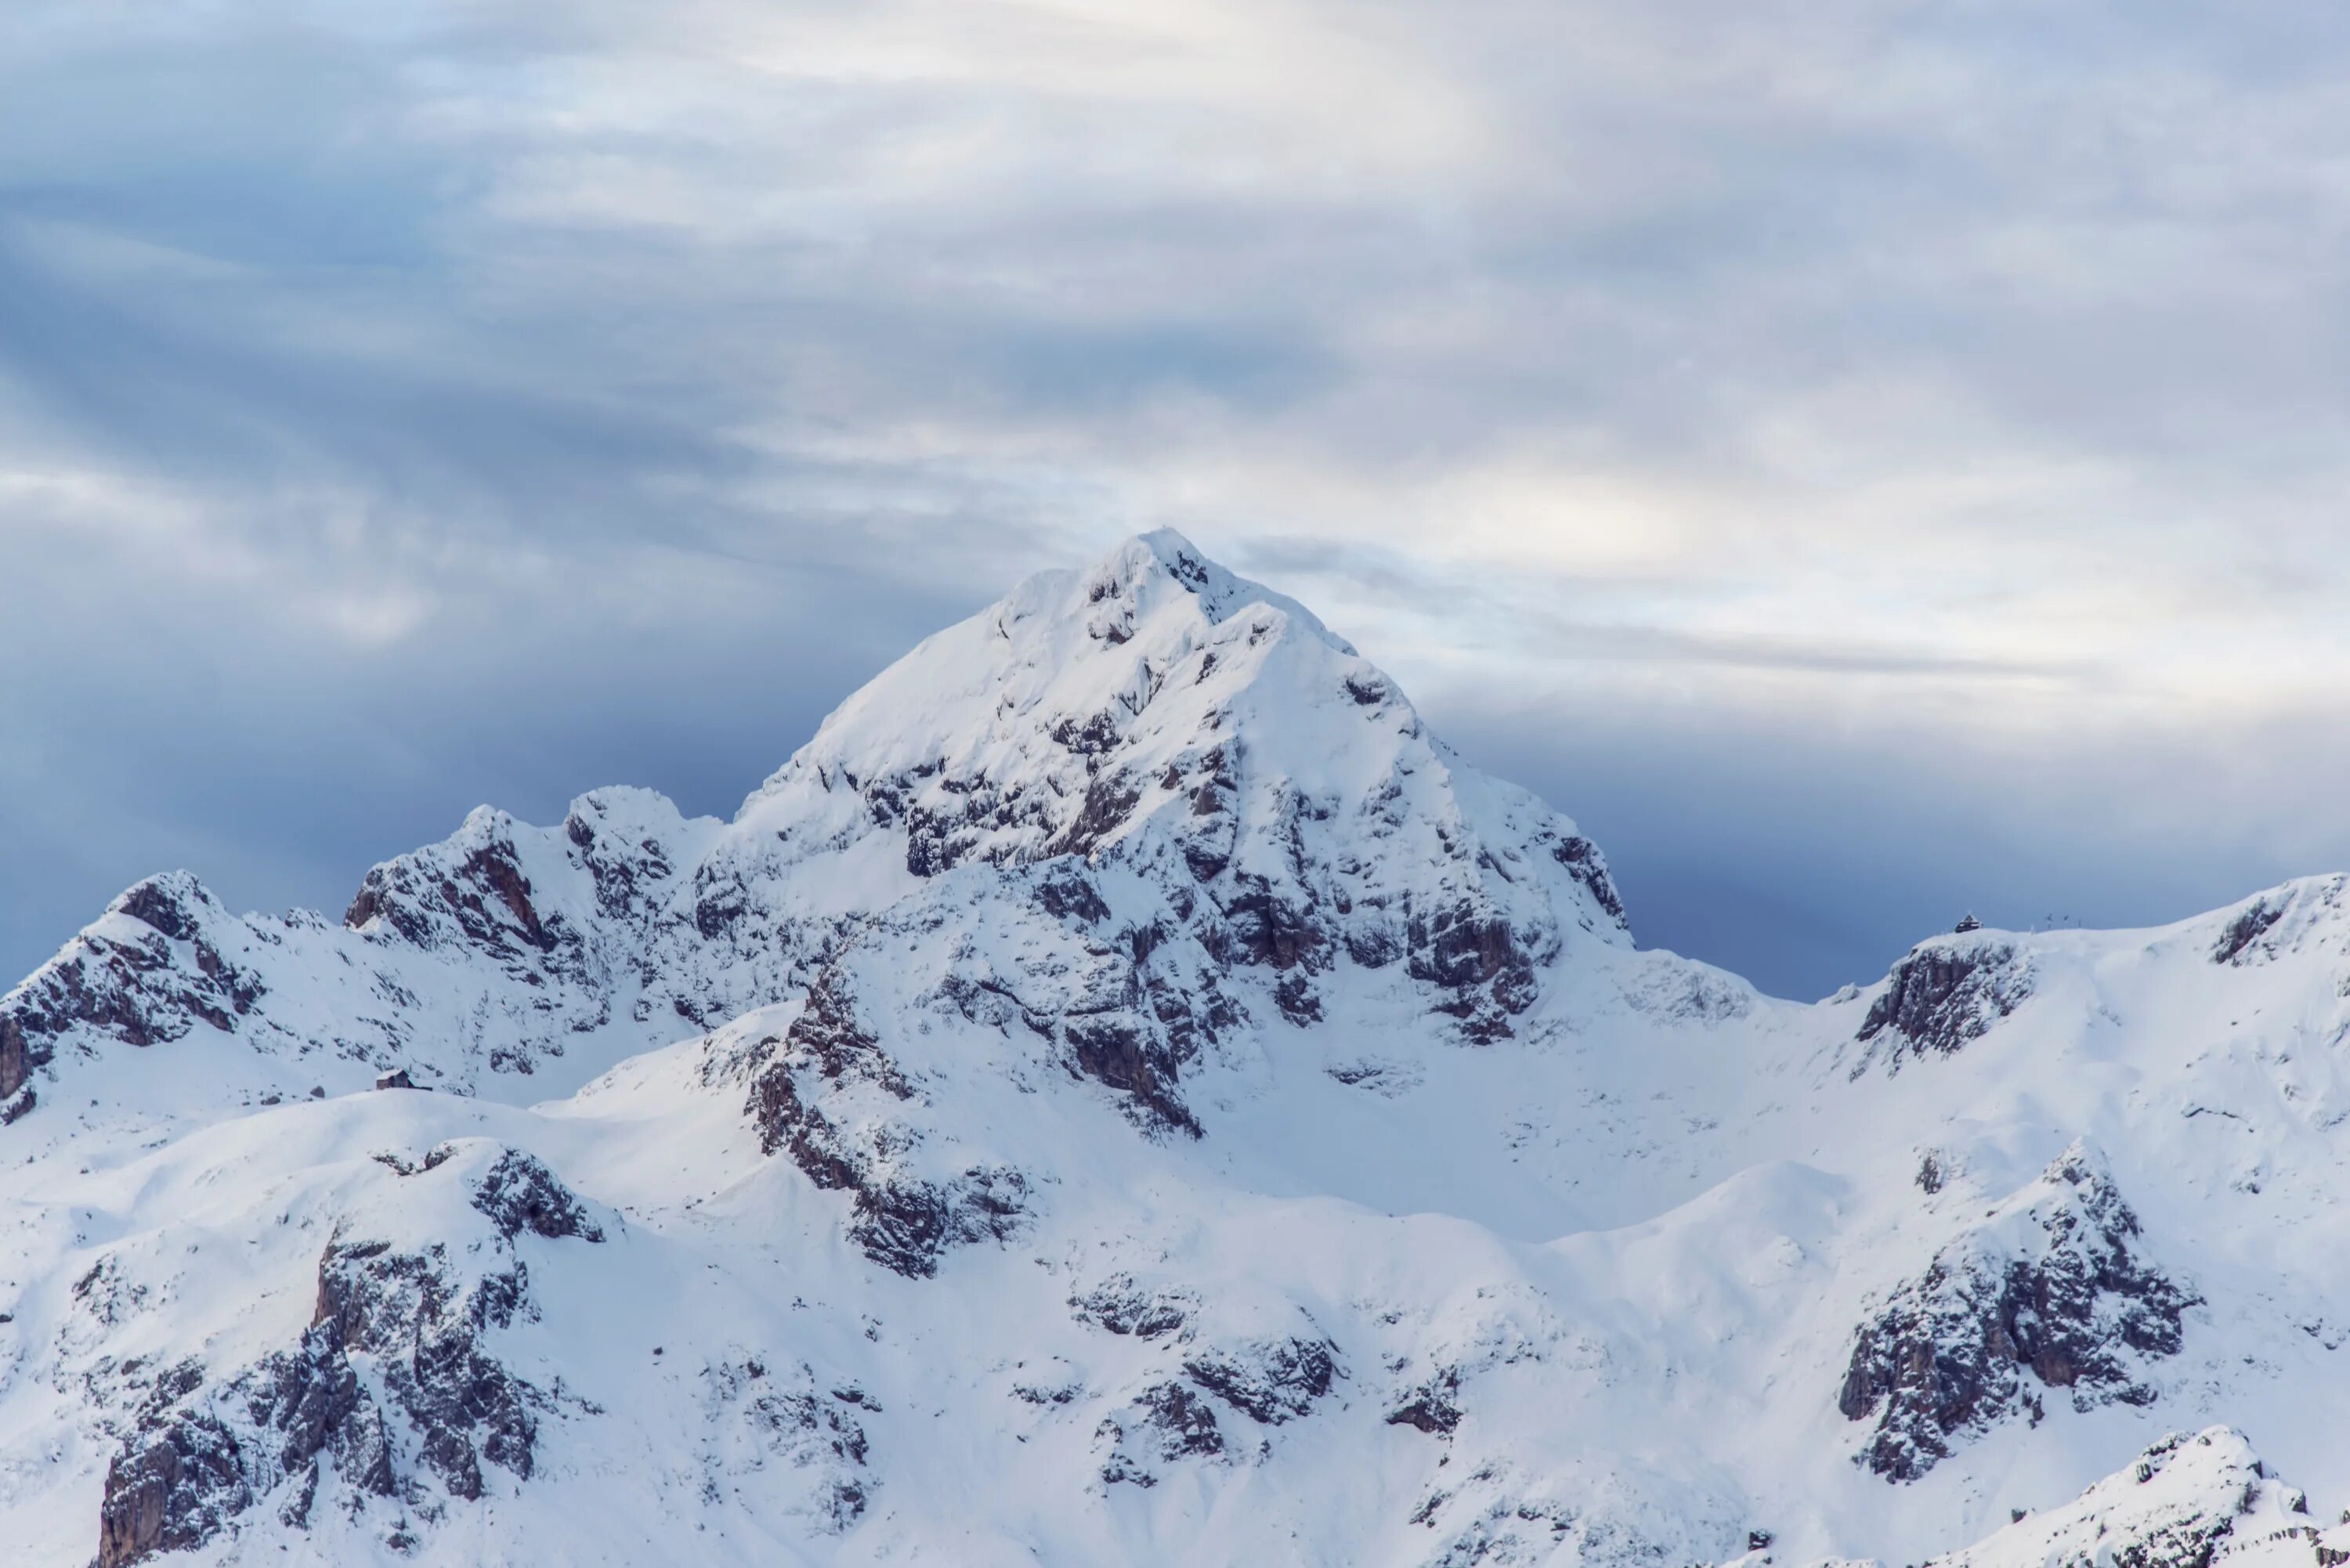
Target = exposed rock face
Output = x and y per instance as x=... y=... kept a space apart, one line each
x=457 y=943
x=1272 y=1379
x=1944 y=993
x=150 y=970
x=425 y=1323
x=1166 y=1423
x=2048 y=1285
x=414 y=1321
x=557 y=928
x=1434 y=1407
x=2281 y=919
x=1269 y=1380
x=19 y=1054
x=520 y=1194
x=1129 y=1007
x=484 y=897
x=2238 y=939
x=179 y=1485
x=199 y=1458
x=829 y=1096
x=16 y=1055
x=905 y=1225
x=1121 y=1306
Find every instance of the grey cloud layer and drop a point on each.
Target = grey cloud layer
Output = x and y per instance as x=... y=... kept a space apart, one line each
x=403 y=406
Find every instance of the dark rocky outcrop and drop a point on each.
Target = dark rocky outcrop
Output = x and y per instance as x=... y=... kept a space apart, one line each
x=1271 y=1381
x=1587 y=866
x=146 y=979
x=424 y=1322
x=787 y=1121
x=1185 y=1427
x=1065 y=892
x=626 y=867
x=2244 y=941
x=16 y=1056
x=199 y=1457
x=1167 y=1422
x=1434 y=1407
x=1263 y=928
x=196 y=1461
x=176 y=1489
x=2049 y=1287
x=905 y=1225
x=1483 y=973
x=1121 y=1052
x=1130 y=1009
x=1110 y=799
x=520 y=1194
x=485 y=898
x=1122 y=1305
x=826 y=1045
x=2282 y=919
x=313 y=1398
x=901 y=1221
x=1944 y=995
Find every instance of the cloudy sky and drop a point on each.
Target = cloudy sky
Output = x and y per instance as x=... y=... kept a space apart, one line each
x=1865 y=461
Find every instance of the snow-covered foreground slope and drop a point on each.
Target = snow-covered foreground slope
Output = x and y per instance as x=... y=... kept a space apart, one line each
x=1124 y=1093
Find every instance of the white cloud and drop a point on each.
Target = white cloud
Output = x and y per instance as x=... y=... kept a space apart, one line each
x=1894 y=376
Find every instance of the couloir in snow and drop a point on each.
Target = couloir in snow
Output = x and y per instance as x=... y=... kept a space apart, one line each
x=1124 y=1093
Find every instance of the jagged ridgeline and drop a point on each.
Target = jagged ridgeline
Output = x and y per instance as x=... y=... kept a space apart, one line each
x=1125 y=1092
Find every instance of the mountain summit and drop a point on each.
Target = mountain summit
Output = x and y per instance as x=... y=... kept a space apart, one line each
x=1154 y=728
x=1124 y=1091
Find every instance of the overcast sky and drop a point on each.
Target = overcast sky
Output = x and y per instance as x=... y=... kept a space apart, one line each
x=1865 y=461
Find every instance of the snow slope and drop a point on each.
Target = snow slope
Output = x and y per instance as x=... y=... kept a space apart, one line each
x=1124 y=1091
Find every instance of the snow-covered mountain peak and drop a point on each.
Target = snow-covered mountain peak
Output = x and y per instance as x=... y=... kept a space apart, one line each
x=1151 y=653
x=1125 y=1091
x=1274 y=792
x=1147 y=572
x=1221 y=778
x=1157 y=687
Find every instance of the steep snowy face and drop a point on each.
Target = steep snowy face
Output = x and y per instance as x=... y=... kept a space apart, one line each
x=1158 y=715
x=2187 y=1502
